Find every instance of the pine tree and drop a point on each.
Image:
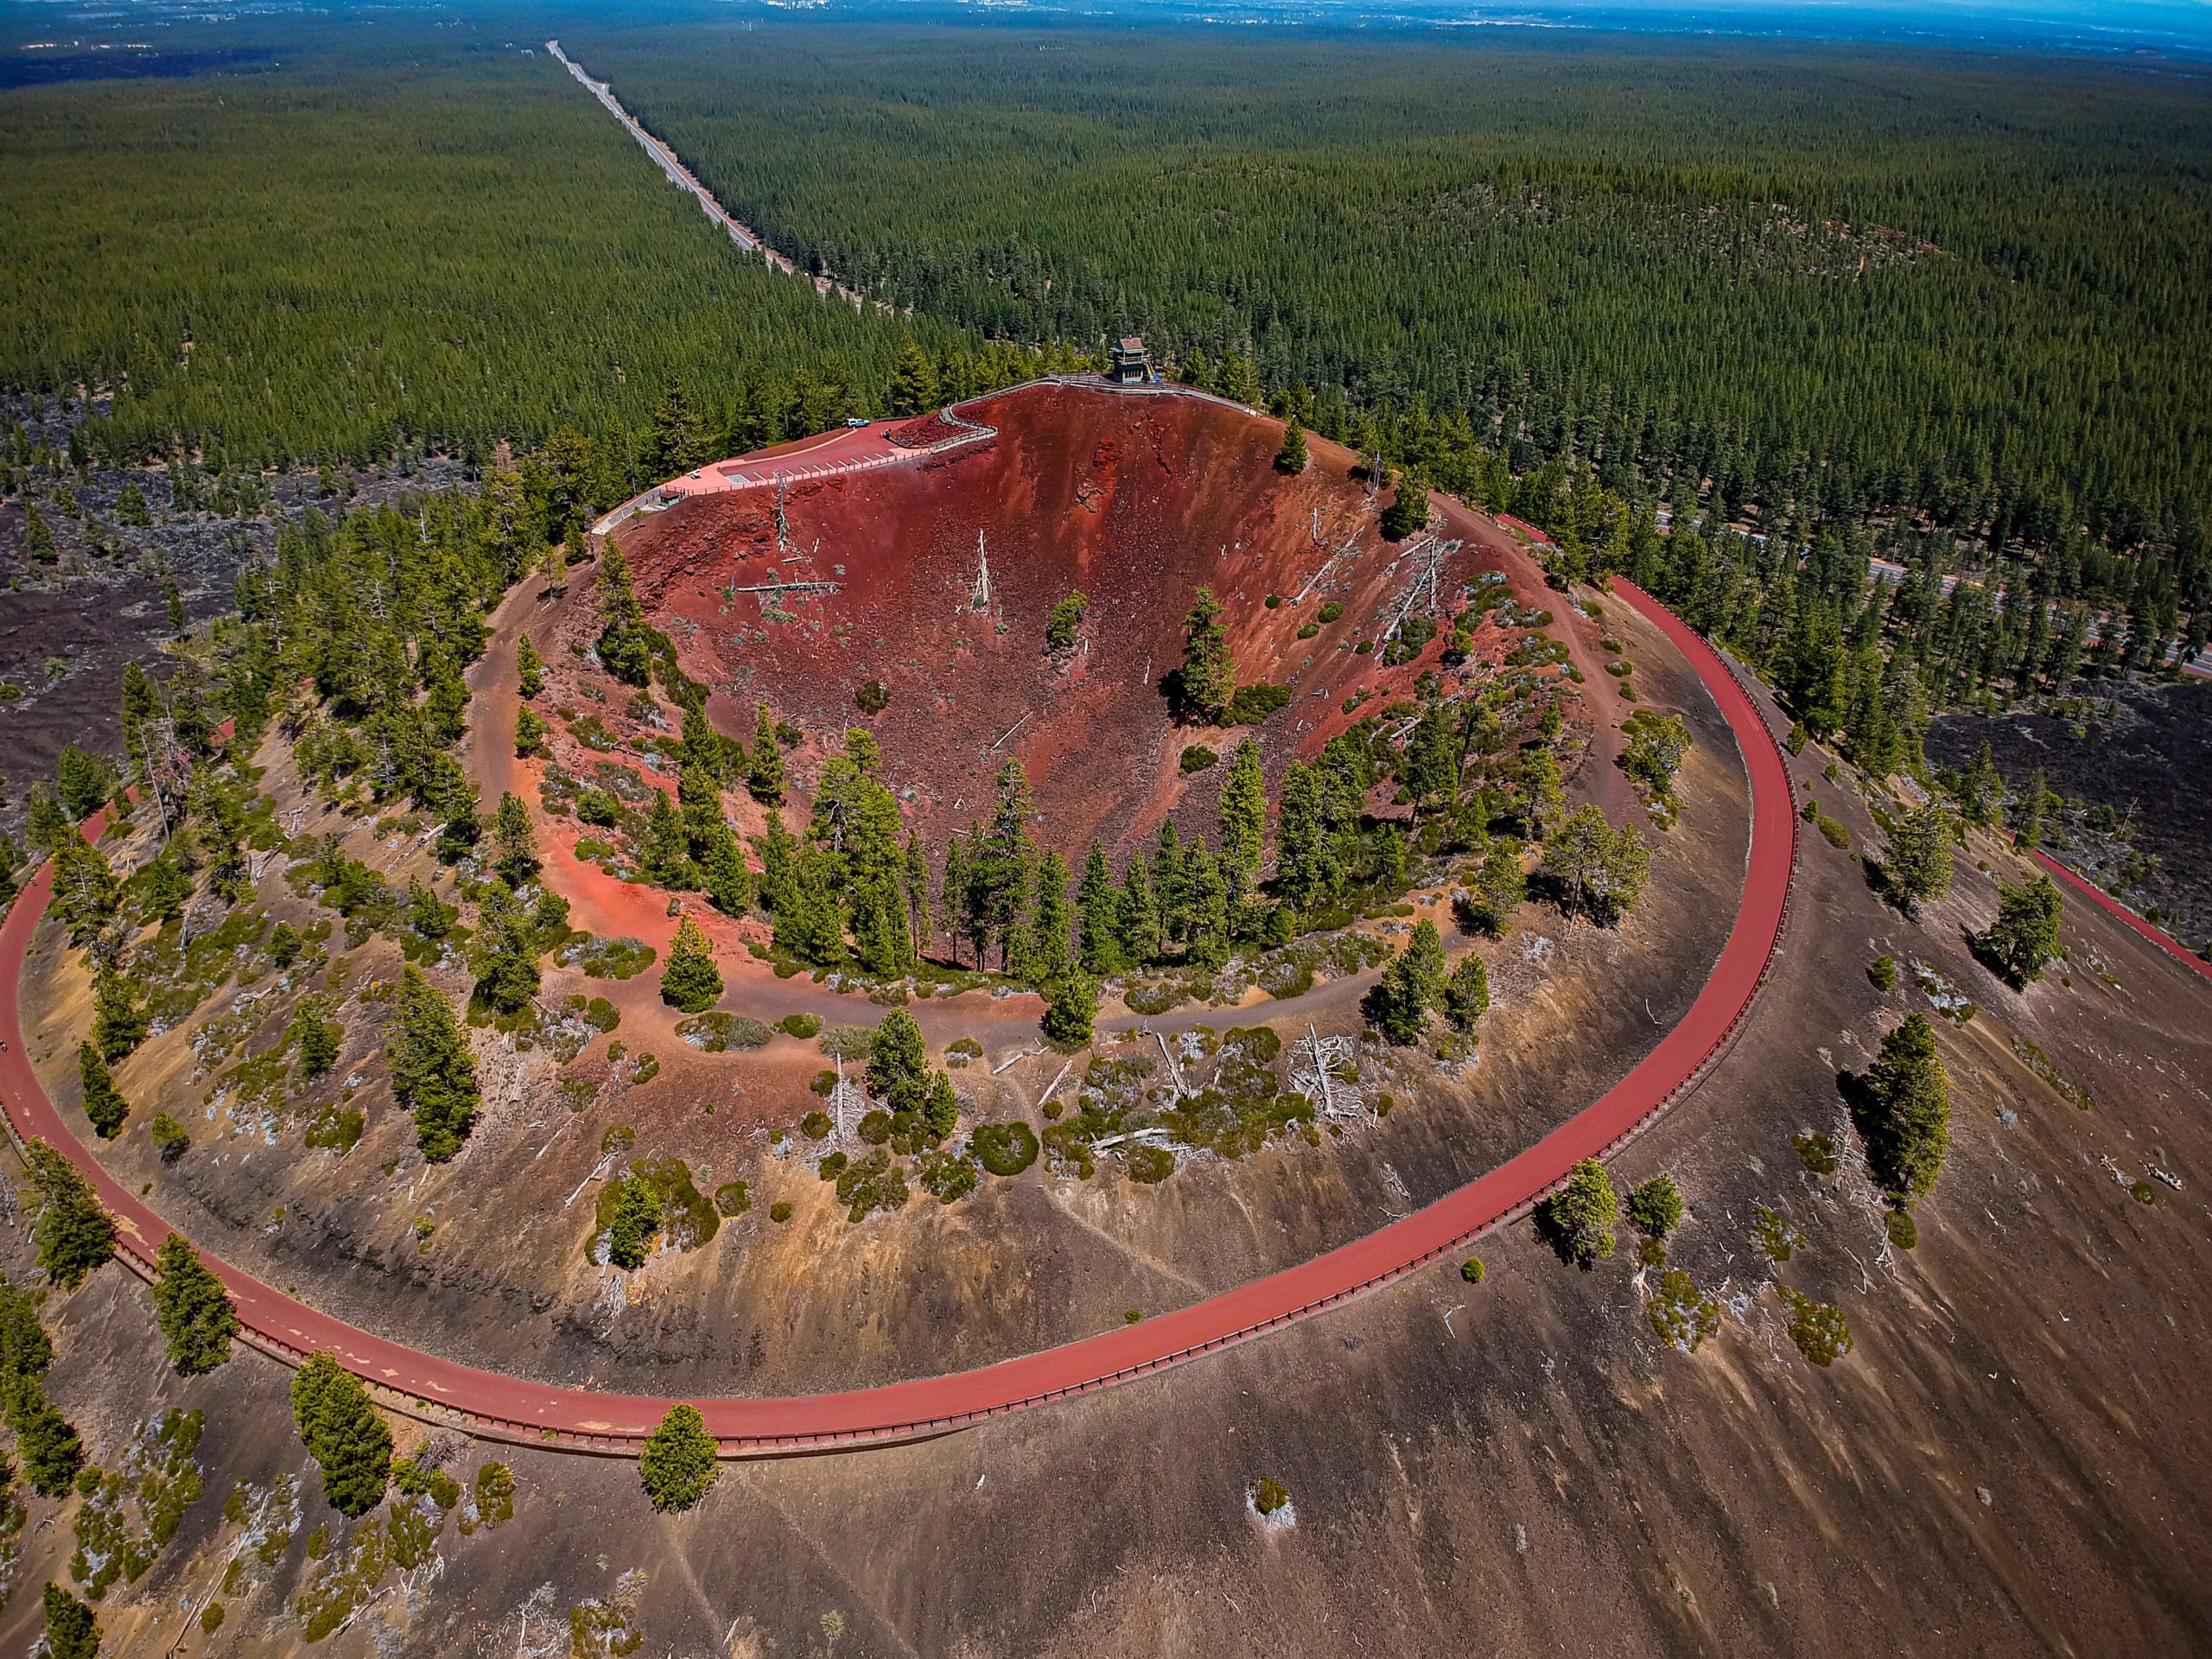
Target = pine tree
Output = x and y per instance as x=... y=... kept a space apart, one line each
x=1542 y=796
x=1655 y=1208
x=84 y=889
x=1070 y=1007
x=914 y=388
x=676 y=436
x=953 y=902
x=763 y=773
x=699 y=796
x=678 y=1466
x=1599 y=871
x=47 y=828
x=1309 y=871
x=898 y=1068
x=343 y=1433
x=530 y=735
x=1919 y=865
x=702 y=745
x=318 y=1041
x=1431 y=768
x=504 y=953
x=192 y=1309
x=530 y=668
x=1407 y=511
x=1904 y=1111
x=1098 y=918
x=83 y=780
x=1499 y=886
x=1207 y=678
x=779 y=855
x=429 y=917
x=1290 y=458
x=636 y=1221
x=1138 y=909
x=915 y=874
x=664 y=852
x=1050 y=919
x=810 y=925
x=625 y=641
x=74 y=1234
x=433 y=1072
x=1580 y=1216
x=723 y=876
x=1411 y=986
x=119 y=1024
x=1981 y=790
x=2025 y=934
x=690 y=982
x=514 y=842
x=72 y=1632
x=38 y=537
x=103 y=1103
x=1243 y=819
x=1467 y=993
x=1000 y=860
x=2027 y=818
x=50 y=1448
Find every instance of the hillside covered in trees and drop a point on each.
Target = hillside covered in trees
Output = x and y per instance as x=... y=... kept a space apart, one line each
x=1805 y=280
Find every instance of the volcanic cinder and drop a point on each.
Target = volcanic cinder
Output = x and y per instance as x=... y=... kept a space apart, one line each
x=946 y=568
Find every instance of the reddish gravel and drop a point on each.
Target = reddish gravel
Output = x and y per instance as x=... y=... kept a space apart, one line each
x=1137 y=501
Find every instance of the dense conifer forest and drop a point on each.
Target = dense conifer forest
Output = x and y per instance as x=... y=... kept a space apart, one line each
x=361 y=252
x=1974 y=286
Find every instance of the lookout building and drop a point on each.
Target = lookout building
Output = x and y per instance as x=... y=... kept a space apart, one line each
x=1127 y=363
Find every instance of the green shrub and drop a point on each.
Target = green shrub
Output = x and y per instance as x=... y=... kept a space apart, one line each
x=780 y=1209
x=1838 y=836
x=731 y=1198
x=1270 y=1496
x=815 y=1125
x=1252 y=704
x=948 y=1177
x=1329 y=611
x=875 y=1126
x=1197 y=757
x=1307 y=631
x=1904 y=1232
x=1005 y=1149
x=1821 y=1332
x=168 y=1137
x=801 y=1026
x=1150 y=1163
x=678 y=1465
x=716 y=1032
x=1882 y=970
x=1472 y=1270
x=336 y=1128
x=1817 y=1152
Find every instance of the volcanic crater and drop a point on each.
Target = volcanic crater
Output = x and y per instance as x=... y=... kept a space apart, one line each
x=931 y=580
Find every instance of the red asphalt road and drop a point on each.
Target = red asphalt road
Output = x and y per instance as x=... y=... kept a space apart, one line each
x=2096 y=894
x=585 y=1418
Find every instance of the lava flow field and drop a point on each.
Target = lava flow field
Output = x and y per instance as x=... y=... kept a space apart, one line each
x=937 y=576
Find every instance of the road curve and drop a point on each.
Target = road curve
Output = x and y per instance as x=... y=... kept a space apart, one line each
x=489 y=1404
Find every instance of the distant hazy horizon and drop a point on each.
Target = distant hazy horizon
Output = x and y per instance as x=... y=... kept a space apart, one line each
x=2103 y=26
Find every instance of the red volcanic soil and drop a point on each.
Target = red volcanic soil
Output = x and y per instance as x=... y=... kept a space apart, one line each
x=1138 y=501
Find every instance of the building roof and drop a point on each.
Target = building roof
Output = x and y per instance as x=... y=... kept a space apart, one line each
x=1132 y=343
